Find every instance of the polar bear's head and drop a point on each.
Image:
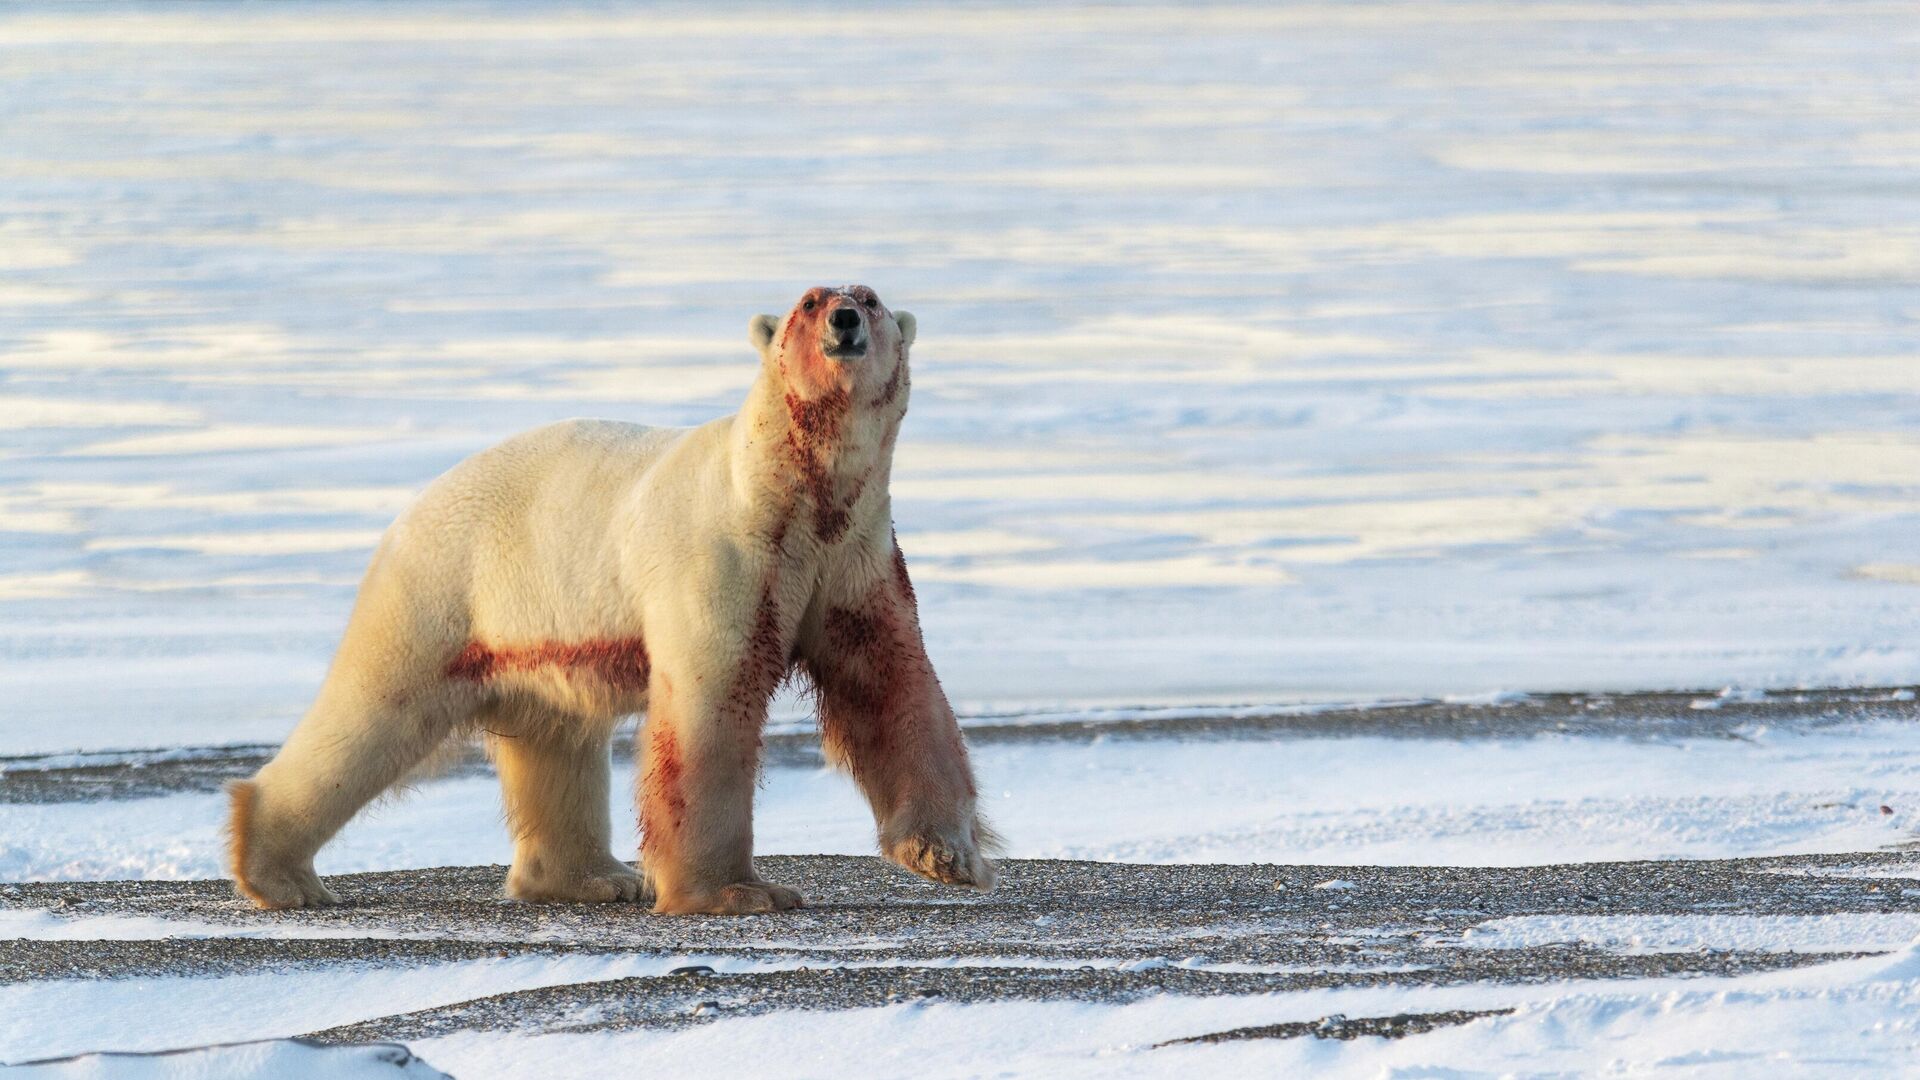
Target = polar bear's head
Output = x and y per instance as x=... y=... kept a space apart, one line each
x=836 y=337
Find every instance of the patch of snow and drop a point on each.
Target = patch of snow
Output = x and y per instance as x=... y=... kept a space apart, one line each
x=1907 y=871
x=280 y=1059
x=49 y=1019
x=1837 y=932
x=1490 y=697
x=37 y=924
x=1728 y=695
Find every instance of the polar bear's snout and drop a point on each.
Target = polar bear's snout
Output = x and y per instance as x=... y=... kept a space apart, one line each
x=845 y=336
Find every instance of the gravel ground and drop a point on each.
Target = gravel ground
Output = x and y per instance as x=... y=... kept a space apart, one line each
x=1053 y=930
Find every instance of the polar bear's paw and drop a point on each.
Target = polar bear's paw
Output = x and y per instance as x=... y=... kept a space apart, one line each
x=285 y=889
x=273 y=879
x=739 y=898
x=608 y=881
x=950 y=860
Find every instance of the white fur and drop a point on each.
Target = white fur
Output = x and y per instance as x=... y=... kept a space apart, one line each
x=511 y=598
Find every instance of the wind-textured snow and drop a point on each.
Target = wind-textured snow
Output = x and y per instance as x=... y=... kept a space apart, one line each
x=1322 y=351
x=1847 y=1019
x=1328 y=801
x=258 y=1060
x=45 y=1019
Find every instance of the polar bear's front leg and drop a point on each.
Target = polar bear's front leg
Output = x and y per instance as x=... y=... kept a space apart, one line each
x=699 y=759
x=885 y=718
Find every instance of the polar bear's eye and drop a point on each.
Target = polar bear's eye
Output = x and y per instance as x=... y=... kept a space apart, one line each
x=870 y=300
x=810 y=303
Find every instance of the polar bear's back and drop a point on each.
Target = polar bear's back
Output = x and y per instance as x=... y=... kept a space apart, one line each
x=573 y=470
x=497 y=541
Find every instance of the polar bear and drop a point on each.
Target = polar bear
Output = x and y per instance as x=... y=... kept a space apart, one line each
x=544 y=589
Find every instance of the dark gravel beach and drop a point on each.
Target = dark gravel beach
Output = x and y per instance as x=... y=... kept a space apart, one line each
x=1053 y=930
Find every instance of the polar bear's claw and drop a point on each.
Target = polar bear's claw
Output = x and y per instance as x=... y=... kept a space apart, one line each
x=286 y=890
x=943 y=860
x=740 y=898
x=755 y=897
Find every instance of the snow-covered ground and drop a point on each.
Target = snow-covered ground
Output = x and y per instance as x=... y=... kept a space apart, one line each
x=1502 y=801
x=1319 y=351
x=1848 y=1019
x=1505 y=801
x=1353 y=801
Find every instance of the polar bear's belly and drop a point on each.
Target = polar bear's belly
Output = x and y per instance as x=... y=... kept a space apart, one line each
x=599 y=678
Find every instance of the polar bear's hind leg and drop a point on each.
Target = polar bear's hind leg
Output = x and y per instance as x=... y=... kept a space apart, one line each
x=384 y=707
x=342 y=755
x=555 y=784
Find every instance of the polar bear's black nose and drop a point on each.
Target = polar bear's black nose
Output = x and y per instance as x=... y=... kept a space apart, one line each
x=845 y=318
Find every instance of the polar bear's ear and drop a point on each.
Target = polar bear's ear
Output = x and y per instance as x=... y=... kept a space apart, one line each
x=760 y=330
x=908 y=324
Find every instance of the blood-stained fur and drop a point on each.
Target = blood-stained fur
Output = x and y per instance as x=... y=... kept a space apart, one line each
x=583 y=572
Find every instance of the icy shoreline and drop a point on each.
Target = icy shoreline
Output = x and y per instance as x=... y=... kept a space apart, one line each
x=1331 y=352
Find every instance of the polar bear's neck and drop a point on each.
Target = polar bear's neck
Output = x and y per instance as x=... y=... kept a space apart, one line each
x=818 y=458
